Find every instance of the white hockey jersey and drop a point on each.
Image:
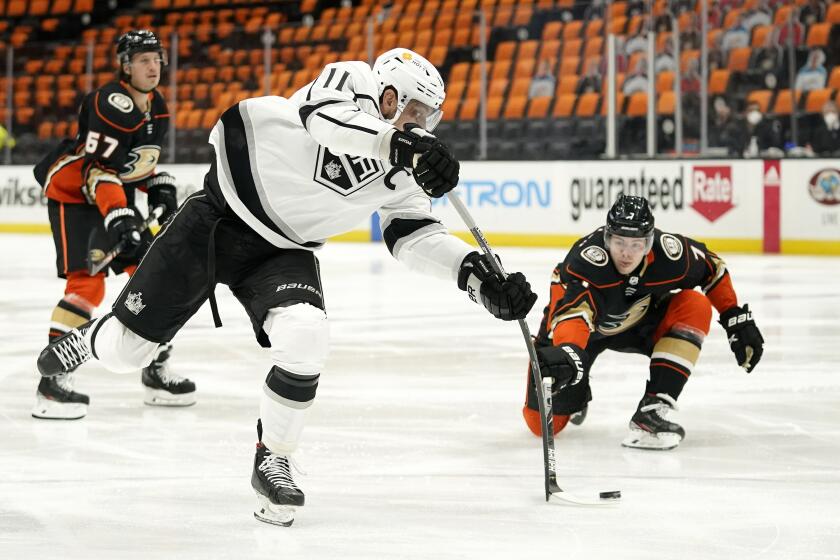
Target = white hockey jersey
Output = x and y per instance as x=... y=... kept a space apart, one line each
x=303 y=169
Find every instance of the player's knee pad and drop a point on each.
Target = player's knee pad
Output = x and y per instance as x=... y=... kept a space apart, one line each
x=91 y=289
x=534 y=422
x=299 y=335
x=117 y=348
x=568 y=400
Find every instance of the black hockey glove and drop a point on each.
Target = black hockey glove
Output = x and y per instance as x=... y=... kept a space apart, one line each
x=566 y=363
x=123 y=225
x=405 y=146
x=507 y=299
x=745 y=340
x=437 y=171
x=161 y=192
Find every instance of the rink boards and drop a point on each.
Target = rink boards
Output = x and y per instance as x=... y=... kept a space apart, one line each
x=787 y=206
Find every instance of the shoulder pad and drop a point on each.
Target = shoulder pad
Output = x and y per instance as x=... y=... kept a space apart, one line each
x=115 y=108
x=159 y=108
x=670 y=258
x=589 y=261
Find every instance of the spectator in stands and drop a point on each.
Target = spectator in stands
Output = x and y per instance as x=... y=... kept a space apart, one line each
x=637 y=42
x=595 y=10
x=794 y=31
x=638 y=80
x=591 y=81
x=813 y=74
x=723 y=126
x=812 y=12
x=757 y=135
x=620 y=57
x=690 y=83
x=767 y=64
x=825 y=137
x=690 y=36
x=635 y=8
x=544 y=82
x=760 y=14
x=665 y=61
x=715 y=60
x=736 y=36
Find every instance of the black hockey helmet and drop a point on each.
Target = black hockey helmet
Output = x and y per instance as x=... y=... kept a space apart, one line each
x=140 y=41
x=630 y=216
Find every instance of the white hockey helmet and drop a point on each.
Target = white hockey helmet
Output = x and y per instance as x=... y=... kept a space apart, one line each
x=413 y=77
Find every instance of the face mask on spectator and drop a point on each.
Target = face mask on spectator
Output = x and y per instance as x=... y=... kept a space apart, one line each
x=831 y=120
x=754 y=117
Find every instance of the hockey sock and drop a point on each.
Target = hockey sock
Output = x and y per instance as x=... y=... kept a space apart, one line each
x=284 y=406
x=71 y=311
x=672 y=361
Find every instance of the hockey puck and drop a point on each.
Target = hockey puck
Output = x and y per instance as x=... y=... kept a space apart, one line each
x=612 y=495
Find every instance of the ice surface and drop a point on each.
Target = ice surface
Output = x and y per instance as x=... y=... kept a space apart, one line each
x=415 y=447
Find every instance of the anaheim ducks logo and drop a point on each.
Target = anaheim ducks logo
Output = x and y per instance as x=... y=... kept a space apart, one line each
x=141 y=162
x=672 y=246
x=595 y=255
x=121 y=102
x=615 y=324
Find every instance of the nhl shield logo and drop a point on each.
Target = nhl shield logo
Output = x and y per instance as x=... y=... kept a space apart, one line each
x=134 y=302
x=346 y=174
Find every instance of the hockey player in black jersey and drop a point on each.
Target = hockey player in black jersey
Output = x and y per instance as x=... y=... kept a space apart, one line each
x=287 y=175
x=630 y=287
x=90 y=182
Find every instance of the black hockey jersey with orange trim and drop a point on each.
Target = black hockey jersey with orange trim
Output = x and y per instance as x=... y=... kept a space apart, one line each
x=118 y=144
x=591 y=299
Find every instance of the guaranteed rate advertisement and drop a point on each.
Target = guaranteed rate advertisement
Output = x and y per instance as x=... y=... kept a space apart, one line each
x=545 y=203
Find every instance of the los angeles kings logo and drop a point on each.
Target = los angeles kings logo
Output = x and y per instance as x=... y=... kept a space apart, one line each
x=346 y=174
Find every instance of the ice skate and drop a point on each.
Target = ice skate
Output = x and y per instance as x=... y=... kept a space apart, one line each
x=649 y=429
x=164 y=388
x=56 y=399
x=65 y=353
x=277 y=494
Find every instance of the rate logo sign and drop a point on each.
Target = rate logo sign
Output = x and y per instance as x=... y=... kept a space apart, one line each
x=711 y=187
x=824 y=186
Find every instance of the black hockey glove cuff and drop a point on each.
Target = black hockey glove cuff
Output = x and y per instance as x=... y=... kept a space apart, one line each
x=437 y=171
x=566 y=363
x=123 y=225
x=745 y=339
x=506 y=299
x=162 y=192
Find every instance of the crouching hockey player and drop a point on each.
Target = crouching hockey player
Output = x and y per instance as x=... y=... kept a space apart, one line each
x=629 y=287
x=288 y=174
x=90 y=183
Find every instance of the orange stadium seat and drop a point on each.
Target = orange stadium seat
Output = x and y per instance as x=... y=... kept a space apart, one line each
x=637 y=105
x=666 y=102
x=515 y=107
x=587 y=105
x=818 y=34
x=538 y=107
x=762 y=97
x=817 y=98
x=784 y=102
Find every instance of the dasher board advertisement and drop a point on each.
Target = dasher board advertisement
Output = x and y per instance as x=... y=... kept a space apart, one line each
x=810 y=206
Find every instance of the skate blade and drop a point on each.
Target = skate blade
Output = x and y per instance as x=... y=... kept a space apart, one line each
x=159 y=397
x=640 y=439
x=274 y=514
x=47 y=409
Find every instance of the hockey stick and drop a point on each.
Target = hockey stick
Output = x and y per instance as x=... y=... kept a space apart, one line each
x=95 y=265
x=542 y=386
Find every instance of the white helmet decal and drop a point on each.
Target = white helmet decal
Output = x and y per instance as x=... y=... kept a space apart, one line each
x=413 y=77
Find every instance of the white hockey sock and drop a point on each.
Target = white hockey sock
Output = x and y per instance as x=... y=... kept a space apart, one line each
x=117 y=348
x=282 y=422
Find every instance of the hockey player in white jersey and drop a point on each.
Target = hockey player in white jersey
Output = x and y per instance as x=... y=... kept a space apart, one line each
x=287 y=175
